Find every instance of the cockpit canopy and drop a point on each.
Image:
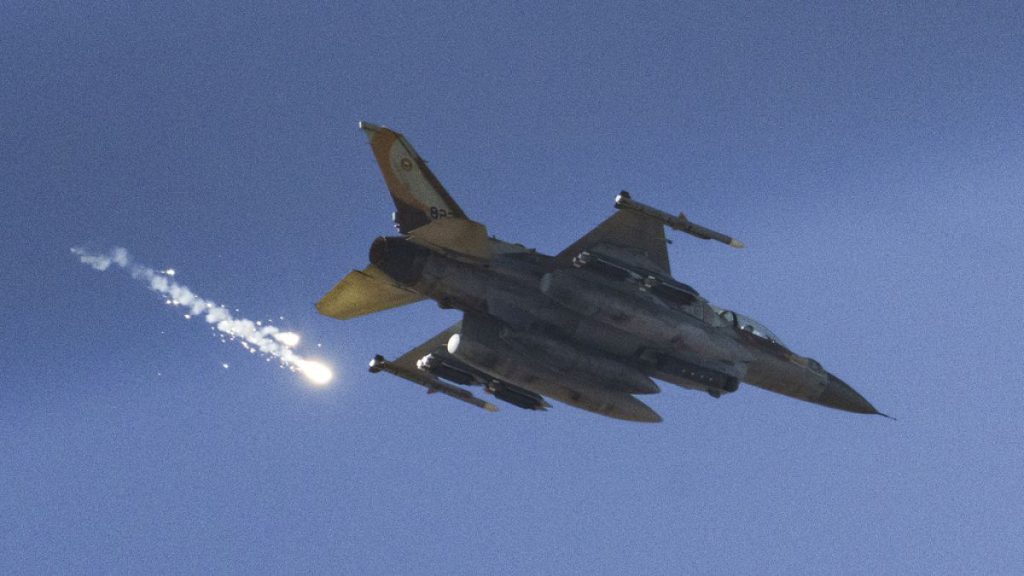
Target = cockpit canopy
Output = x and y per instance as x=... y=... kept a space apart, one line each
x=748 y=324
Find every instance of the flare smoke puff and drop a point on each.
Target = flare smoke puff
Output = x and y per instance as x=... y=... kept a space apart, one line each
x=266 y=339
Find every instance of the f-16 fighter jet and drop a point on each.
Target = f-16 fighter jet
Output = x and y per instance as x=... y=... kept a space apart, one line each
x=592 y=327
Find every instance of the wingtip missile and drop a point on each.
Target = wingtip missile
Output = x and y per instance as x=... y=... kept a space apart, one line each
x=377 y=363
x=681 y=223
x=431 y=383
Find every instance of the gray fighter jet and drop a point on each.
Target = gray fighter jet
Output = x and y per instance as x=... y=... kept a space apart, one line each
x=592 y=326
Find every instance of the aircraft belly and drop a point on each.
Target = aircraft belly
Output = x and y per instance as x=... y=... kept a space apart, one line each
x=531 y=311
x=579 y=394
x=521 y=362
x=575 y=363
x=575 y=390
x=511 y=295
x=454 y=284
x=642 y=317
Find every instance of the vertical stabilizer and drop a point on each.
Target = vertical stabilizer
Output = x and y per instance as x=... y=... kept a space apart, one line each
x=419 y=197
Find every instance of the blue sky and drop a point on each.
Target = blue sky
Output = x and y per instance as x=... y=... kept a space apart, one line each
x=870 y=156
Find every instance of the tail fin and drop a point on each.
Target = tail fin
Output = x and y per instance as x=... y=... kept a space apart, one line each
x=419 y=197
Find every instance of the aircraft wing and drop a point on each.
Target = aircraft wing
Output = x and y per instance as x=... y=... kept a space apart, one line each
x=408 y=360
x=405 y=367
x=627 y=236
x=364 y=292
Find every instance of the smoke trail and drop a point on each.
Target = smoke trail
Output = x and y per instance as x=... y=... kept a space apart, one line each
x=265 y=339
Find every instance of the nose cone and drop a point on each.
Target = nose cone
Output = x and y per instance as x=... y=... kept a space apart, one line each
x=840 y=395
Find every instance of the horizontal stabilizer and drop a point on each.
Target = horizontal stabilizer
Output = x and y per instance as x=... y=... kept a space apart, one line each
x=454 y=235
x=364 y=292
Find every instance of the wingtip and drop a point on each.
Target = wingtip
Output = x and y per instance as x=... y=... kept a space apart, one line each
x=371 y=130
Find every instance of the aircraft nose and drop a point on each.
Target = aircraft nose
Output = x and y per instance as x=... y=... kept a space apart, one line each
x=840 y=395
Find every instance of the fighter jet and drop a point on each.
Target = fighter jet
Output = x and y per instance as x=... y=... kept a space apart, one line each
x=593 y=326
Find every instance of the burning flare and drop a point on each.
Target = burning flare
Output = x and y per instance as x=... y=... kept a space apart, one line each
x=265 y=339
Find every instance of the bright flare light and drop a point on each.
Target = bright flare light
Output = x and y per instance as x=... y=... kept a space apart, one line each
x=317 y=373
x=255 y=336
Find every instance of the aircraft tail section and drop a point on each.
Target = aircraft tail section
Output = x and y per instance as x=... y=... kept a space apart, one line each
x=364 y=292
x=419 y=197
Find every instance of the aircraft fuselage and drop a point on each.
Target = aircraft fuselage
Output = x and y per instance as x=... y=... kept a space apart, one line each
x=619 y=333
x=592 y=326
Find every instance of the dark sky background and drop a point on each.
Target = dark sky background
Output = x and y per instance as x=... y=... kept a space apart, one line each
x=871 y=156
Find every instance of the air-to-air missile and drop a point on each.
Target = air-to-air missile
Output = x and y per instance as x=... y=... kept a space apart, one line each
x=432 y=384
x=624 y=202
